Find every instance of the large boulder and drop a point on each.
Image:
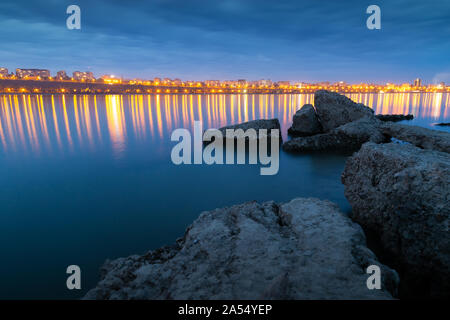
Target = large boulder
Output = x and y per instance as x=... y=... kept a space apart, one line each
x=305 y=122
x=265 y=124
x=304 y=249
x=335 y=110
x=346 y=138
x=421 y=137
x=401 y=195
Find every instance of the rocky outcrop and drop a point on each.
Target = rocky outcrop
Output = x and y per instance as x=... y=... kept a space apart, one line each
x=305 y=122
x=394 y=117
x=401 y=194
x=335 y=110
x=443 y=124
x=346 y=138
x=418 y=136
x=304 y=249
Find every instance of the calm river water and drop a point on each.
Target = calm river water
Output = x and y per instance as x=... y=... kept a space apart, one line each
x=86 y=178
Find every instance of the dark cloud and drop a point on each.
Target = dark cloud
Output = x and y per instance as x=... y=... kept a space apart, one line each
x=197 y=39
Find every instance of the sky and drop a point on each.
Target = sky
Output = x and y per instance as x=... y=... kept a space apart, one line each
x=296 y=40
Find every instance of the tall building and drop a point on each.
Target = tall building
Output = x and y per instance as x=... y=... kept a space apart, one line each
x=86 y=76
x=32 y=73
x=61 y=75
x=3 y=72
x=418 y=82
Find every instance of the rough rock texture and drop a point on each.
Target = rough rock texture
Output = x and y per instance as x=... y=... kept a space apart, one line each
x=401 y=194
x=255 y=124
x=346 y=138
x=394 y=117
x=305 y=122
x=267 y=124
x=304 y=249
x=335 y=110
x=418 y=136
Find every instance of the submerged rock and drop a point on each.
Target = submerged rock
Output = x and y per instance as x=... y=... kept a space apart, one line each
x=401 y=194
x=335 y=110
x=305 y=122
x=304 y=249
x=418 y=136
x=394 y=117
x=346 y=138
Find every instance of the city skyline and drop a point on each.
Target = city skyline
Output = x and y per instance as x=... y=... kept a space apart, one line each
x=88 y=76
x=198 y=40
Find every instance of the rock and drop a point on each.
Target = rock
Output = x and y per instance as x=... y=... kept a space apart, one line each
x=442 y=124
x=335 y=110
x=267 y=124
x=305 y=122
x=418 y=136
x=346 y=138
x=304 y=249
x=401 y=195
x=394 y=117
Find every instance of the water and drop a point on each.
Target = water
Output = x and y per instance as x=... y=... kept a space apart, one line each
x=86 y=178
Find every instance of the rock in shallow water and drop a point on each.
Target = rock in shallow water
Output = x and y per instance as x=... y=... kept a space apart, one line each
x=401 y=194
x=304 y=249
x=346 y=138
x=267 y=124
x=305 y=122
x=394 y=117
x=334 y=109
x=418 y=136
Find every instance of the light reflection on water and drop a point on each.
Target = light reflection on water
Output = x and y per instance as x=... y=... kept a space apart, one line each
x=84 y=178
x=35 y=124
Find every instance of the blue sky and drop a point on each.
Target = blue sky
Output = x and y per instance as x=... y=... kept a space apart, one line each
x=298 y=40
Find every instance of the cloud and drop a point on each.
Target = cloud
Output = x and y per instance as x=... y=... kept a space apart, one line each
x=284 y=39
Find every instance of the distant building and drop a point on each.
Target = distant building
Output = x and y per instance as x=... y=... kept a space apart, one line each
x=177 y=82
x=3 y=72
x=264 y=82
x=157 y=81
x=80 y=76
x=61 y=75
x=212 y=83
x=32 y=73
x=111 y=79
x=284 y=83
x=418 y=82
x=242 y=82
